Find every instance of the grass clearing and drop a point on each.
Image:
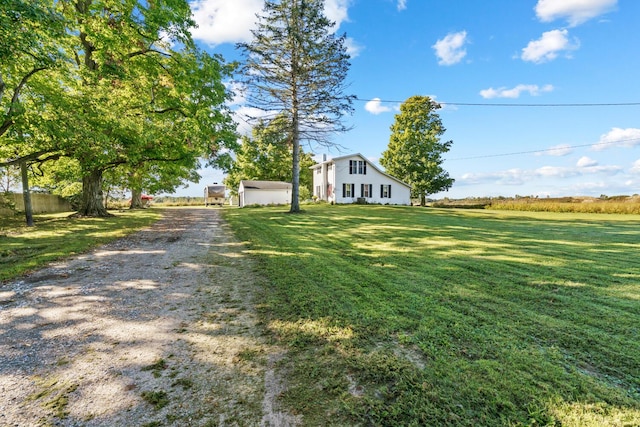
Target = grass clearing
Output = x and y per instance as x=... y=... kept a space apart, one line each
x=409 y=316
x=56 y=236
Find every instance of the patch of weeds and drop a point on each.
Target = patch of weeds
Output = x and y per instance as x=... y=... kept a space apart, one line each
x=185 y=383
x=250 y=355
x=159 y=399
x=156 y=368
x=152 y=424
x=58 y=393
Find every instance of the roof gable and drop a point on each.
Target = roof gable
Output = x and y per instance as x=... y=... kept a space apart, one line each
x=370 y=163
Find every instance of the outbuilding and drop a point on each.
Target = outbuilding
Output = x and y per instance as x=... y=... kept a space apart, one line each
x=264 y=193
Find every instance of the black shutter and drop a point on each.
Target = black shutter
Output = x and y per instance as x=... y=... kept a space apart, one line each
x=361 y=190
x=344 y=190
x=381 y=191
x=389 y=190
x=365 y=168
x=350 y=167
x=370 y=190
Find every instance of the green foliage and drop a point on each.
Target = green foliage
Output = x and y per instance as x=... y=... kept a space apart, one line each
x=296 y=66
x=115 y=86
x=408 y=316
x=158 y=399
x=268 y=156
x=414 y=153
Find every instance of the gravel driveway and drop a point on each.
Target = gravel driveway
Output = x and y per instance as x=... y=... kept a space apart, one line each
x=156 y=329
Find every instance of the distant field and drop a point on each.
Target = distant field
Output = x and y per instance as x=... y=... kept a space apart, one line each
x=604 y=204
x=412 y=316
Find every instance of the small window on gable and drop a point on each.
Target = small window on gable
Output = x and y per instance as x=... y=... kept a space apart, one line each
x=357 y=167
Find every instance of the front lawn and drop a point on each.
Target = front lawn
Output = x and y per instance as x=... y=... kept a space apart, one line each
x=412 y=316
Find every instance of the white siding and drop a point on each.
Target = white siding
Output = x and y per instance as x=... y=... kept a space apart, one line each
x=260 y=196
x=329 y=183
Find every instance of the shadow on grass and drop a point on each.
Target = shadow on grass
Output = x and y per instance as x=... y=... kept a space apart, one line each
x=454 y=317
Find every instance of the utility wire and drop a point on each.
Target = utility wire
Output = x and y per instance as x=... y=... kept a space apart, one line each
x=563 y=147
x=488 y=104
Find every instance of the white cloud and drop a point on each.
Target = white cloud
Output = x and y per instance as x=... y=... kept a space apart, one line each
x=224 y=21
x=231 y=21
x=402 y=4
x=548 y=46
x=618 y=137
x=353 y=48
x=246 y=117
x=375 y=107
x=559 y=150
x=519 y=176
x=585 y=161
x=336 y=11
x=450 y=50
x=503 y=92
x=575 y=11
x=636 y=166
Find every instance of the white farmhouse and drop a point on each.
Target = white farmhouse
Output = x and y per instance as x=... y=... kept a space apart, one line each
x=264 y=193
x=349 y=179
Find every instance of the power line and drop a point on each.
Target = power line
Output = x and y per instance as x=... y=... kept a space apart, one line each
x=488 y=104
x=564 y=147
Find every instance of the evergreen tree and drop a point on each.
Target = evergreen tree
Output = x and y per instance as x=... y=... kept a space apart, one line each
x=296 y=66
x=414 y=153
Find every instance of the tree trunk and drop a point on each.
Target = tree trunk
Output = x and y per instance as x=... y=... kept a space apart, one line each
x=26 y=194
x=295 y=176
x=136 y=199
x=423 y=199
x=92 y=204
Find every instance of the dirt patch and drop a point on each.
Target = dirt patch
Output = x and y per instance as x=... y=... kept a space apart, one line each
x=157 y=329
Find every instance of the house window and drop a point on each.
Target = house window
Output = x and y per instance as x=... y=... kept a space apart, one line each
x=357 y=167
x=318 y=189
x=365 y=190
x=348 y=190
x=385 y=191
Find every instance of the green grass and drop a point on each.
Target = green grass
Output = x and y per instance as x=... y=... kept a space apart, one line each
x=56 y=236
x=410 y=316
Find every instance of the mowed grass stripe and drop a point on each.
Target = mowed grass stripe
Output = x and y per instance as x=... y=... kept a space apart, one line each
x=452 y=317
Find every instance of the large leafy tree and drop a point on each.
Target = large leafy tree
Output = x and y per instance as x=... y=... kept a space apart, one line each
x=137 y=99
x=266 y=155
x=115 y=85
x=295 y=68
x=414 y=153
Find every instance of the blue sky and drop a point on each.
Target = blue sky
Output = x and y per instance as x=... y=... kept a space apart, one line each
x=504 y=72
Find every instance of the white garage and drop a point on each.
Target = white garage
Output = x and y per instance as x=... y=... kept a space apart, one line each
x=264 y=193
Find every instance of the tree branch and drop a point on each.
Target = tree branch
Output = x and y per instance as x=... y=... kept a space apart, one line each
x=8 y=121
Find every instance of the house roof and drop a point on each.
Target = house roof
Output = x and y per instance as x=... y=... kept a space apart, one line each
x=373 y=165
x=265 y=185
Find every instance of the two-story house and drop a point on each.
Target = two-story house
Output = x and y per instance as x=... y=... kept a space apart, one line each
x=347 y=179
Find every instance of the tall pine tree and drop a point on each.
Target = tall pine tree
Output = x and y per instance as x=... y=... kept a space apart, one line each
x=296 y=68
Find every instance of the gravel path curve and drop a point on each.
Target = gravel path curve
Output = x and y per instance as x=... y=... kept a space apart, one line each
x=156 y=329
